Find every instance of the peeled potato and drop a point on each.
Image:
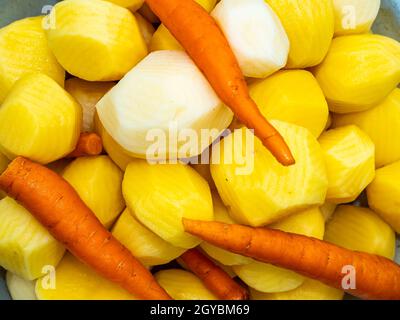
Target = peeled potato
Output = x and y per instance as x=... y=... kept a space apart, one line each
x=361 y=229
x=39 y=120
x=223 y=256
x=309 y=25
x=76 y=281
x=24 y=49
x=19 y=288
x=98 y=182
x=87 y=94
x=96 y=40
x=268 y=278
x=146 y=28
x=161 y=195
x=132 y=5
x=163 y=39
x=355 y=16
x=359 y=72
x=293 y=96
x=267 y=191
x=349 y=156
x=145 y=245
x=384 y=194
x=183 y=285
x=309 y=290
x=381 y=123
x=25 y=245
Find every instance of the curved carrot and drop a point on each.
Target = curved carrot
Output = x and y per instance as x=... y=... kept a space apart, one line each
x=89 y=144
x=376 y=277
x=56 y=205
x=213 y=277
x=205 y=43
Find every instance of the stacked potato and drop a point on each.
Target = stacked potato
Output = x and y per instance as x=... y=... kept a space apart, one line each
x=324 y=81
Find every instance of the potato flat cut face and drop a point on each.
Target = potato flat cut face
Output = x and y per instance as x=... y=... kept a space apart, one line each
x=268 y=191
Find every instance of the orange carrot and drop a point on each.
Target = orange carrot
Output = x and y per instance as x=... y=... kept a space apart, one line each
x=56 y=205
x=89 y=144
x=213 y=277
x=376 y=277
x=205 y=43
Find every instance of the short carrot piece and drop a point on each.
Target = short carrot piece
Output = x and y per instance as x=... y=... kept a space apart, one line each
x=205 y=43
x=213 y=277
x=57 y=206
x=89 y=144
x=376 y=277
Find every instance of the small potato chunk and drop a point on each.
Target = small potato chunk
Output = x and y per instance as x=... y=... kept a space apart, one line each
x=26 y=247
x=19 y=288
x=96 y=40
x=144 y=244
x=183 y=285
x=98 y=182
x=39 y=120
x=293 y=96
x=384 y=194
x=24 y=49
x=255 y=34
x=381 y=123
x=161 y=195
x=359 y=72
x=361 y=229
x=87 y=94
x=309 y=25
x=350 y=159
x=76 y=281
x=266 y=191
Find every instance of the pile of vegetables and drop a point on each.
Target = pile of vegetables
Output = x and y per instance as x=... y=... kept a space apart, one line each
x=87 y=209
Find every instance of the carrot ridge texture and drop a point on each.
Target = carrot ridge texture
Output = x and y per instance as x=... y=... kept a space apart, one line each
x=213 y=277
x=57 y=206
x=376 y=277
x=205 y=43
x=89 y=144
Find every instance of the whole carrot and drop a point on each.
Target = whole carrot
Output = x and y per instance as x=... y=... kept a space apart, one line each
x=376 y=277
x=89 y=144
x=56 y=205
x=213 y=277
x=204 y=41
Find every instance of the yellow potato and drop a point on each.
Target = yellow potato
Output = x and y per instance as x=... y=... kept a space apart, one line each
x=76 y=281
x=145 y=245
x=293 y=96
x=361 y=229
x=39 y=120
x=161 y=195
x=24 y=49
x=384 y=194
x=349 y=156
x=327 y=210
x=132 y=5
x=146 y=28
x=19 y=288
x=309 y=25
x=96 y=40
x=268 y=278
x=359 y=72
x=98 y=182
x=381 y=123
x=87 y=94
x=223 y=256
x=268 y=191
x=26 y=247
x=309 y=290
x=163 y=39
x=183 y=285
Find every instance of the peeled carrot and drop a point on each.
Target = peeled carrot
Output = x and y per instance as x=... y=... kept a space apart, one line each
x=376 y=276
x=89 y=144
x=205 y=43
x=213 y=277
x=56 y=205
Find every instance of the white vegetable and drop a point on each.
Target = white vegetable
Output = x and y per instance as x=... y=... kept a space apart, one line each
x=256 y=35
x=164 y=93
x=19 y=288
